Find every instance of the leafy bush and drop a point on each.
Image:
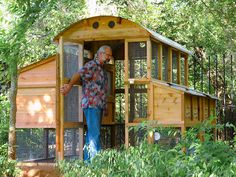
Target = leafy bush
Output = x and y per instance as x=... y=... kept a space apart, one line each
x=7 y=167
x=4 y=118
x=206 y=158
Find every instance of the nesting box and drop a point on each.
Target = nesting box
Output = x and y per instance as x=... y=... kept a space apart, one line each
x=148 y=80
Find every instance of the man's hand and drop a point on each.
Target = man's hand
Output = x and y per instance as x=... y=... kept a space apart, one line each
x=65 y=89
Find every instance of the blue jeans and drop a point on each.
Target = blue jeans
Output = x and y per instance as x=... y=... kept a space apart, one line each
x=92 y=143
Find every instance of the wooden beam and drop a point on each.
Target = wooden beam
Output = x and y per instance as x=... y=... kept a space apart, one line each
x=58 y=107
x=36 y=86
x=137 y=81
x=179 y=68
x=160 y=57
x=149 y=59
x=73 y=125
x=182 y=107
x=186 y=70
x=169 y=64
x=137 y=39
x=61 y=54
x=126 y=64
x=151 y=101
x=81 y=117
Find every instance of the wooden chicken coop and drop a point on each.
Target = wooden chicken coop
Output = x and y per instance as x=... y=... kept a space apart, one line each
x=148 y=80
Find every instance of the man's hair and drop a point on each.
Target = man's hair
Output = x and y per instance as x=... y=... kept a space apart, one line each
x=102 y=49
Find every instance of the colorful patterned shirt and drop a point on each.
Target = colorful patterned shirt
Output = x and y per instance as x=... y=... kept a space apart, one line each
x=95 y=85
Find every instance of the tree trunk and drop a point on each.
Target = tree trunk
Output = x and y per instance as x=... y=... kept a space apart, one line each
x=12 y=121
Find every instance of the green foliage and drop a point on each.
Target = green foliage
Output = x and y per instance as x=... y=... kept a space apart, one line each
x=4 y=118
x=206 y=158
x=7 y=167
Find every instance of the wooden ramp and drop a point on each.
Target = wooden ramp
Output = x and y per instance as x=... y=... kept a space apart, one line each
x=38 y=170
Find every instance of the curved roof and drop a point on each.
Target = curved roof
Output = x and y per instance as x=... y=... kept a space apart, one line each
x=83 y=30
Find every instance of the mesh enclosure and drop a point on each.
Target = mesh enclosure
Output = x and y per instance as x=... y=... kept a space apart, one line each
x=112 y=136
x=174 y=66
x=71 y=101
x=120 y=107
x=137 y=135
x=35 y=144
x=119 y=97
x=137 y=59
x=182 y=64
x=138 y=102
x=71 y=143
x=154 y=60
x=165 y=64
x=169 y=137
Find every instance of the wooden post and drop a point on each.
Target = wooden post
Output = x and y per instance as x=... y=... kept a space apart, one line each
x=61 y=54
x=186 y=70
x=150 y=110
x=81 y=117
x=182 y=107
x=126 y=95
x=183 y=130
x=58 y=144
x=179 y=68
x=169 y=64
x=160 y=57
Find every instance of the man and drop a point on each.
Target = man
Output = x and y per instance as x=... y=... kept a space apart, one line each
x=94 y=87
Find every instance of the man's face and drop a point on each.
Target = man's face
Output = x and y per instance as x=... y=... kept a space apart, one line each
x=105 y=57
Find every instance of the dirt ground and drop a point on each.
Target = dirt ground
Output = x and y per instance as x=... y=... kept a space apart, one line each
x=39 y=171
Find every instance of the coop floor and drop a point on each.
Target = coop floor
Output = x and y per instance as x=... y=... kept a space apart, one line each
x=38 y=170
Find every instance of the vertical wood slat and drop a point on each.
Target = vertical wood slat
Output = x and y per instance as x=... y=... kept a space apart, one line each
x=150 y=88
x=126 y=64
x=160 y=57
x=61 y=54
x=149 y=59
x=179 y=68
x=182 y=107
x=58 y=144
x=169 y=64
x=126 y=95
x=151 y=101
x=81 y=118
x=186 y=70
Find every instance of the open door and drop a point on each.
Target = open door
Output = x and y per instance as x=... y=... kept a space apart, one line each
x=70 y=134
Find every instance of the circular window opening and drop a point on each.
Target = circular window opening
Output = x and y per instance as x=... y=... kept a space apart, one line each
x=95 y=25
x=111 y=24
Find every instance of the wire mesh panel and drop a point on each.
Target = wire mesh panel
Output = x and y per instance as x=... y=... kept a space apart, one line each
x=174 y=66
x=182 y=64
x=120 y=107
x=137 y=135
x=112 y=136
x=71 y=143
x=137 y=59
x=105 y=137
x=119 y=79
x=119 y=97
x=154 y=60
x=165 y=63
x=35 y=144
x=138 y=102
x=168 y=137
x=71 y=101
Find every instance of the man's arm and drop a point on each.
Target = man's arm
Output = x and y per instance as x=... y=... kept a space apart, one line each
x=76 y=78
